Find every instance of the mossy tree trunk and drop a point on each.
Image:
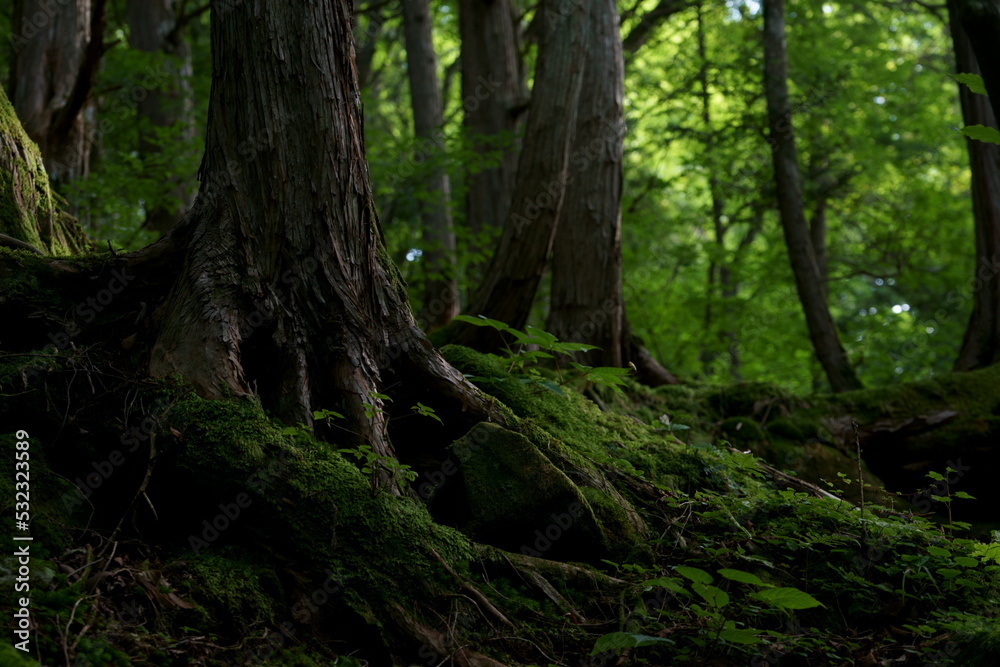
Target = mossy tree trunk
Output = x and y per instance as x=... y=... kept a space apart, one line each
x=285 y=289
x=31 y=215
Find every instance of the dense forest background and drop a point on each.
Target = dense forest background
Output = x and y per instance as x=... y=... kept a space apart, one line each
x=877 y=117
x=494 y=332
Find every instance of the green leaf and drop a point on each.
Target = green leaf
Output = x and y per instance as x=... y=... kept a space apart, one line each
x=973 y=81
x=544 y=336
x=483 y=321
x=425 y=411
x=737 y=636
x=936 y=476
x=670 y=583
x=742 y=577
x=966 y=561
x=716 y=597
x=619 y=640
x=963 y=494
x=694 y=574
x=982 y=133
x=787 y=598
x=552 y=386
x=939 y=552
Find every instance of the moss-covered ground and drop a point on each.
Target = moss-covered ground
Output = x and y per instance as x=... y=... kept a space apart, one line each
x=206 y=533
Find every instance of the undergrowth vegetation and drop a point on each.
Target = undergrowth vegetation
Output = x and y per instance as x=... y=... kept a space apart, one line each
x=227 y=537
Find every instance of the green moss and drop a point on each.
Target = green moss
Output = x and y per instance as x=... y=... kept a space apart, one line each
x=27 y=204
x=516 y=497
x=742 y=432
x=589 y=434
x=230 y=589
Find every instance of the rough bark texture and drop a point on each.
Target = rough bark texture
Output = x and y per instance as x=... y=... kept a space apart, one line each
x=586 y=301
x=822 y=330
x=154 y=28
x=512 y=278
x=440 y=293
x=981 y=342
x=492 y=99
x=285 y=289
x=53 y=70
x=31 y=215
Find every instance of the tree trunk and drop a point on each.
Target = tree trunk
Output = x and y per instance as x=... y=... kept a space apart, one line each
x=512 y=277
x=52 y=73
x=153 y=28
x=32 y=217
x=440 y=293
x=586 y=301
x=981 y=342
x=285 y=289
x=492 y=98
x=822 y=330
x=981 y=21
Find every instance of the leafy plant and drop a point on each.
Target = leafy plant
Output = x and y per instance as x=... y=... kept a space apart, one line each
x=524 y=359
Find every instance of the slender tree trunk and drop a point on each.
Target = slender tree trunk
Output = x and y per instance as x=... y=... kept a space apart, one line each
x=492 y=99
x=513 y=275
x=285 y=289
x=981 y=343
x=981 y=21
x=822 y=330
x=718 y=269
x=817 y=236
x=53 y=70
x=440 y=293
x=153 y=28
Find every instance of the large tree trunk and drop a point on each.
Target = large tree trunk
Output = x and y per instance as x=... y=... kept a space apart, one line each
x=587 y=305
x=285 y=289
x=586 y=302
x=512 y=278
x=822 y=330
x=492 y=100
x=981 y=343
x=53 y=70
x=154 y=28
x=440 y=292
x=32 y=217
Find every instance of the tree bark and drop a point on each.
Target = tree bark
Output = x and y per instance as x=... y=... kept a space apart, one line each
x=586 y=300
x=32 y=216
x=981 y=21
x=822 y=330
x=492 y=99
x=981 y=342
x=512 y=277
x=285 y=290
x=440 y=292
x=52 y=73
x=154 y=28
